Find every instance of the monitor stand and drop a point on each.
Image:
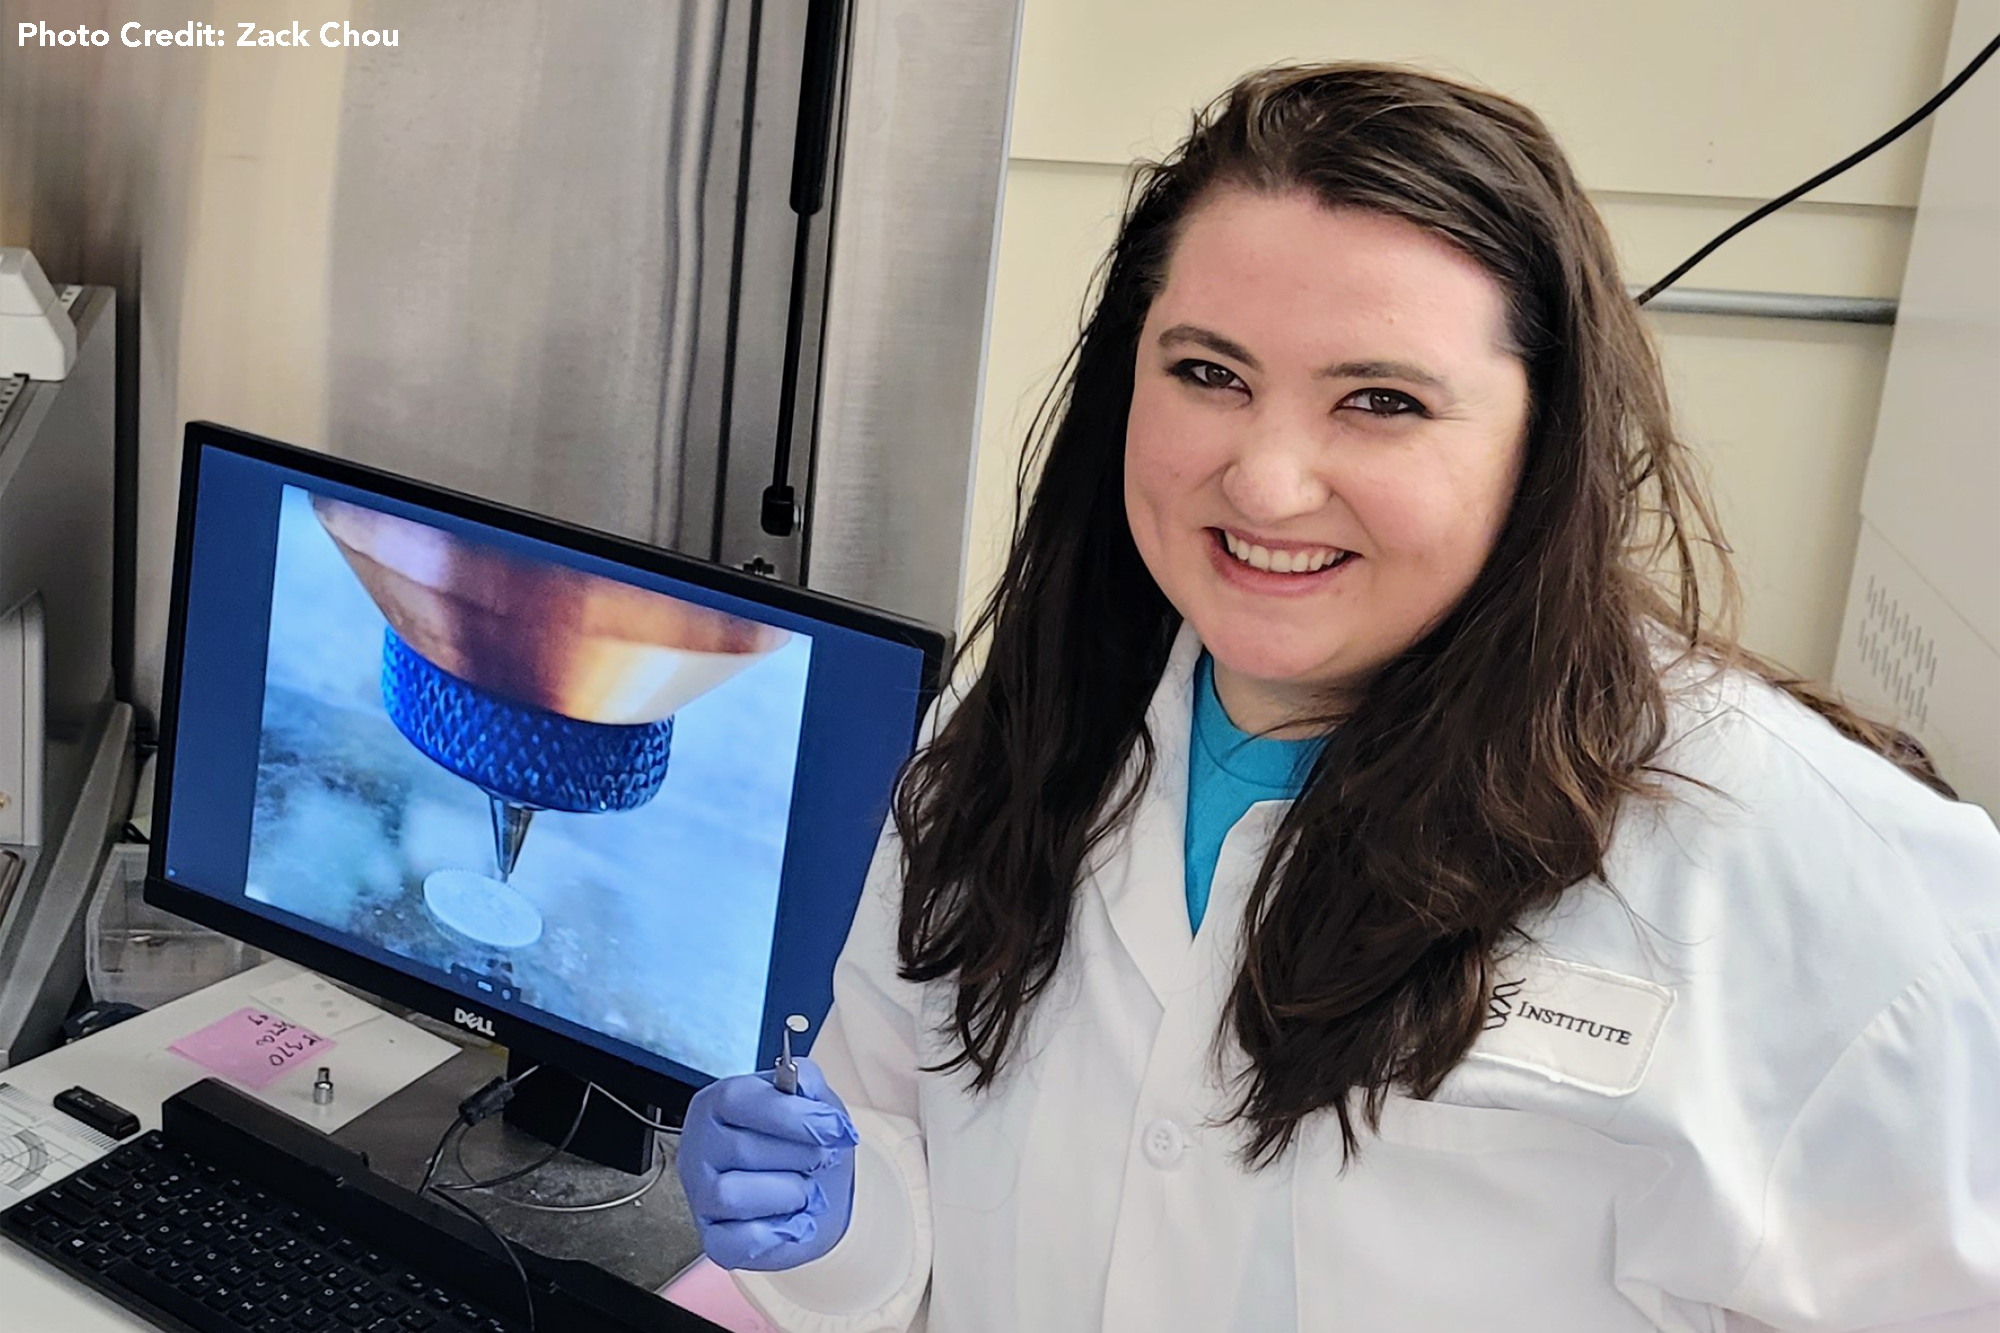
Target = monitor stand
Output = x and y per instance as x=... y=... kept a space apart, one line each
x=545 y=1106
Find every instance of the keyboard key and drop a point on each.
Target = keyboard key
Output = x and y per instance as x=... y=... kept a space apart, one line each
x=59 y=1204
x=148 y=1287
x=98 y=1257
x=244 y=1313
x=418 y=1320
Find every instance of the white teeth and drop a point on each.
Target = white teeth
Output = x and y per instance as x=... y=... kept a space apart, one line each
x=1280 y=562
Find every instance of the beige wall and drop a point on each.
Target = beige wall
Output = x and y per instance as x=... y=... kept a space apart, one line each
x=1680 y=117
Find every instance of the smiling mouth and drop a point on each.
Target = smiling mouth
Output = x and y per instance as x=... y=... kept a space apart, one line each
x=1295 y=560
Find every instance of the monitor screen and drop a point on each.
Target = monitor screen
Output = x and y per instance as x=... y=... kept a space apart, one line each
x=571 y=792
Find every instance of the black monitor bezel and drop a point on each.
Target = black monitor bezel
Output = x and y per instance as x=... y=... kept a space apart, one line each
x=521 y=1036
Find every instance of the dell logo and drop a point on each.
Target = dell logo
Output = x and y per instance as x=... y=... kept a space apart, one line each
x=467 y=1019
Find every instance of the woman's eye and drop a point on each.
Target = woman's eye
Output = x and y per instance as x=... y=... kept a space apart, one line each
x=1207 y=375
x=1382 y=402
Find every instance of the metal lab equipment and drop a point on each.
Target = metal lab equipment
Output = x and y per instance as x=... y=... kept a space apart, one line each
x=545 y=254
x=65 y=769
x=1920 y=642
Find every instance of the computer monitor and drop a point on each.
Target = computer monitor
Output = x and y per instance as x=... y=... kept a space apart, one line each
x=607 y=805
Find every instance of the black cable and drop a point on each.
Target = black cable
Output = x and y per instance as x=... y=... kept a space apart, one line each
x=506 y=1248
x=437 y=1155
x=1908 y=123
x=478 y=1106
x=582 y=1104
x=602 y=1205
x=470 y=1183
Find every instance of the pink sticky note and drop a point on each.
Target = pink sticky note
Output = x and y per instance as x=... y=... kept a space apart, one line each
x=252 y=1046
x=711 y=1293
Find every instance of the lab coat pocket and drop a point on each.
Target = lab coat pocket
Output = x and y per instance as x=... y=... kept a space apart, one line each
x=1458 y=1216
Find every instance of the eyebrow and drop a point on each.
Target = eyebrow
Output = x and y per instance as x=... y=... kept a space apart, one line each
x=1345 y=370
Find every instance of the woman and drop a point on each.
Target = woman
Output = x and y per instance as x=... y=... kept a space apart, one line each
x=1363 y=888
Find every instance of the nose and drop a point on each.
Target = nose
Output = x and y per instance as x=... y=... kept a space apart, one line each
x=1278 y=474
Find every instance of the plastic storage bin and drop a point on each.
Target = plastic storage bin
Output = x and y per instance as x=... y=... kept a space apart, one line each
x=138 y=954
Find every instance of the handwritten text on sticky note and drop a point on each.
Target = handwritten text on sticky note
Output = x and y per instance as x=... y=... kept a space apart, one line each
x=252 y=1046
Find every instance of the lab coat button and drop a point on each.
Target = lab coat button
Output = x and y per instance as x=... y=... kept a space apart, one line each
x=1164 y=1144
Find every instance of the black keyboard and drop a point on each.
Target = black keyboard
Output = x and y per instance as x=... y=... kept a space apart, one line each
x=235 y=1217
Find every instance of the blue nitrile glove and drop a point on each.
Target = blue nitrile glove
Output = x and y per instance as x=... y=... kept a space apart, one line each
x=769 y=1176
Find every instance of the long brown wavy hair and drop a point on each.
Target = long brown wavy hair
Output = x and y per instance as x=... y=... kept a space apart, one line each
x=1478 y=774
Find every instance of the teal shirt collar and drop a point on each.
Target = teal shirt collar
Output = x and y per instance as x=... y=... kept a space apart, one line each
x=1276 y=766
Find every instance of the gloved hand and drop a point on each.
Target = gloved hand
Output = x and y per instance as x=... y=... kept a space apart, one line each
x=769 y=1176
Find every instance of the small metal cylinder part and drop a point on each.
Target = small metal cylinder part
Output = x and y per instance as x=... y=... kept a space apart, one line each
x=323 y=1087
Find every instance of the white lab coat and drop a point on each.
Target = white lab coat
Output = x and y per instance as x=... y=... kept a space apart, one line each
x=1778 y=1107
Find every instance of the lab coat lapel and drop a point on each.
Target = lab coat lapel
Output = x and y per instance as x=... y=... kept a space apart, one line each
x=1143 y=876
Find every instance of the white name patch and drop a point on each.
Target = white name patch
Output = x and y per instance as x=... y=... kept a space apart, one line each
x=1578 y=1025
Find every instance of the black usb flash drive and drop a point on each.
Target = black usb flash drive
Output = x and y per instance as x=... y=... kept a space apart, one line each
x=105 y=1117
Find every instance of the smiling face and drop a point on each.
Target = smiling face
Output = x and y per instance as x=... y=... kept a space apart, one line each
x=1324 y=438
